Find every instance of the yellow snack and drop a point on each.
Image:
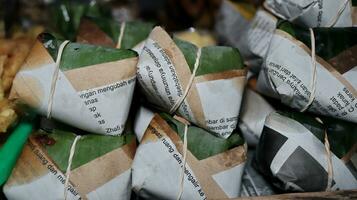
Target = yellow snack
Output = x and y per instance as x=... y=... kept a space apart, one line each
x=12 y=55
x=199 y=38
x=15 y=60
x=3 y=59
x=7 y=115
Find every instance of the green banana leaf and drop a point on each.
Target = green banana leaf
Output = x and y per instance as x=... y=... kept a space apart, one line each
x=57 y=145
x=213 y=59
x=77 y=55
x=200 y=142
x=134 y=32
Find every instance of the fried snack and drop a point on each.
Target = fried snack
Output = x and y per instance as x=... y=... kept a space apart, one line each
x=32 y=33
x=12 y=54
x=6 y=46
x=15 y=59
x=7 y=115
x=3 y=59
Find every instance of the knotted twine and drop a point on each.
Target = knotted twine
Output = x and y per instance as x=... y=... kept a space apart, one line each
x=173 y=110
x=329 y=158
x=313 y=91
x=121 y=35
x=49 y=113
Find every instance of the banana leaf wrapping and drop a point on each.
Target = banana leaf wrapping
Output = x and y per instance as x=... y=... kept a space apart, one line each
x=315 y=13
x=94 y=86
x=213 y=101
x=288 y=71
x=213 y=169
x=66 y=16
x=292 y=154
x=100 y=169
x=252 y=116
x=106 y=32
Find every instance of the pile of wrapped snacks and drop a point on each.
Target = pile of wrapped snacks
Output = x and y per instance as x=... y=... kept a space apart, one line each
x=250 y=28
x=301 y=57
x=102 y=109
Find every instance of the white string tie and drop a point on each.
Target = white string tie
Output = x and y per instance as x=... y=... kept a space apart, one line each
x=189 y=84
x=68 y=171
x=121 y=35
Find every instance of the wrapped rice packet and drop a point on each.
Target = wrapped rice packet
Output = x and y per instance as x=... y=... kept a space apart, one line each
x=313 y=13
x=213 y=169
x=89 y=87
x=203 y=85
x=100 y=167
x=293 y=154
x=320 y=78
x=110 y=33
x=252 y=116
x=252 y=35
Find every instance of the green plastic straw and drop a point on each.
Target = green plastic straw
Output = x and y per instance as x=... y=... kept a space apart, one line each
x=11 y=150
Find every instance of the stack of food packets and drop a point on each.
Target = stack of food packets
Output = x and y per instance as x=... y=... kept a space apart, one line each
x=100 y=167
x=175 y=73
x=89 y=85
x=255 y=35
x=90 y=88
x=192 y=107
x=306 y=62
